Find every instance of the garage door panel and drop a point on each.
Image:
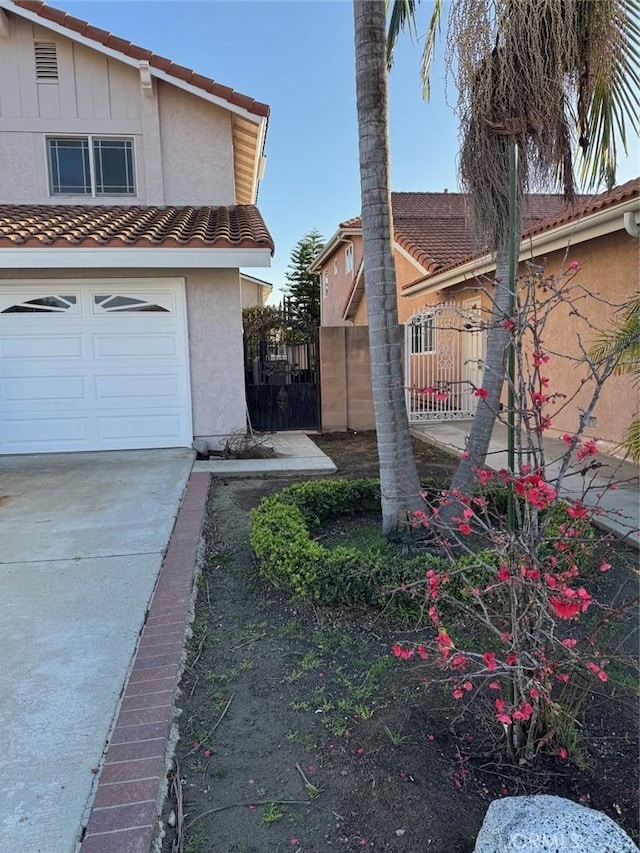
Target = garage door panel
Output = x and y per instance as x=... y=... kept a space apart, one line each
x=29 y=347
x=142 y=389
x=134 y=346
x=61 y=431
x=36 y=389
x=155 y=426
x=108 y=375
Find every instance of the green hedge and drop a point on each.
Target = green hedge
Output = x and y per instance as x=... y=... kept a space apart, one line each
x=281 y=536
x=282 y=529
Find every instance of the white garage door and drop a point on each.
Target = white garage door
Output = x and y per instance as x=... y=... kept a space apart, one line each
x=93 y=366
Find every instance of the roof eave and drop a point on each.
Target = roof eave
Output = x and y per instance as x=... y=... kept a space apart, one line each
x=340 y=236
x=21 y=258
x=594 y=225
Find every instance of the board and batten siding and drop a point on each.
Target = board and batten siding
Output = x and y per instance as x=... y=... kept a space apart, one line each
x=183 y=144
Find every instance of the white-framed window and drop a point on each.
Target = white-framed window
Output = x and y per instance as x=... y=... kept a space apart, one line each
x=91 y=165
x=423 y=335
x=348 y=258
x=335 y=266
x=325 y=284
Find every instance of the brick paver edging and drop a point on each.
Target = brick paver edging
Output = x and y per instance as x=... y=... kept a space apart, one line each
x=133 y=780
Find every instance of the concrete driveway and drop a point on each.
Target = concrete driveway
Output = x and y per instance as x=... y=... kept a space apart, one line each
x=82 y=537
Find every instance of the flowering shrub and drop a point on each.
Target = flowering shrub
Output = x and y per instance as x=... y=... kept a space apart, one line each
x=514 y=568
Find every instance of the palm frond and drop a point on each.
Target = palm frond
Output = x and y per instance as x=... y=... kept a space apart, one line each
x=614 y=101
x=403 y=16
x=622 y=342
x=631 y=440
x=429 y=47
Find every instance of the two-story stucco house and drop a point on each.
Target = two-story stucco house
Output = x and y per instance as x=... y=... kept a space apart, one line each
x=444 y=301
x=127 y=207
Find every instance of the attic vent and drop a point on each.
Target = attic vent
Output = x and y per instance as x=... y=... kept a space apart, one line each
x=46 y=60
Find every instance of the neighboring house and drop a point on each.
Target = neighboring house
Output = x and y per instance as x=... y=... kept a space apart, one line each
x=254 y=291
x=443 y=308
x=127 y=206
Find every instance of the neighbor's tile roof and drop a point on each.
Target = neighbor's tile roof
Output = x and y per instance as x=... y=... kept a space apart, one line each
x=433 y=227
x=539 y=223
x=107 y=39
x=237 y=227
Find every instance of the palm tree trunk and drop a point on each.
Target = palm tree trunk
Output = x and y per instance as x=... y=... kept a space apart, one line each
x=399 y=483
x=464 y=480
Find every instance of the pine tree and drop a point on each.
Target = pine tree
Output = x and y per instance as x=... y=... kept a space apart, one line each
x=303 y=291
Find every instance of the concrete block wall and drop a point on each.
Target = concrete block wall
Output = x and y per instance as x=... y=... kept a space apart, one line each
x=345 y=377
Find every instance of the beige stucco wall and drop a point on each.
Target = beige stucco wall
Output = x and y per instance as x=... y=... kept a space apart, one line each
x=197 y=151
x=215 y=341
x=609 y=275
x=334 y=299
x=183 y=144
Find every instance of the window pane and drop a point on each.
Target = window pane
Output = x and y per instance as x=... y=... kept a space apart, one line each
x=69 y=166
x=113 y=161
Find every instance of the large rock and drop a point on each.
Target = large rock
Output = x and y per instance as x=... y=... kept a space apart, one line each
x=545 y=824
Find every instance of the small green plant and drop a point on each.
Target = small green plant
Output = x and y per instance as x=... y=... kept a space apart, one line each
x=364 y=712
x=300 y=705
x=272 y=814
x=197 y=839
x=304 y=740
x=396 y=738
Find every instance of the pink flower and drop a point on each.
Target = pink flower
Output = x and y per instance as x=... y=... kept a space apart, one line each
x=503 y=573
x=490 y=660
x=523 y=711
x=458 y=693
x=538 y=399
x=360 y=750
x=569 y=643
x=484 y=475
x=464 y=528
x=294 y=841
x=590 y=448
x=481 y=392
x=508 y=324
x=494 y=685
x=604 y=567
x=466 y=454
x=602 y=675
x=573 y=266
x=577 y=510
x=568 y=438
x=539 y=358
x=441 y=395
x=400 y=652
x=564 y=609
x=562 y=752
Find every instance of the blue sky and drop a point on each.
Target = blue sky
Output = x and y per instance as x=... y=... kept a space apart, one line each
x=297 y=56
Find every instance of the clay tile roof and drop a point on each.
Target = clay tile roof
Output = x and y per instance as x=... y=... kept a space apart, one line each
x=127 y=48
x=543 y=213
x=63 y=226
x=433 y=227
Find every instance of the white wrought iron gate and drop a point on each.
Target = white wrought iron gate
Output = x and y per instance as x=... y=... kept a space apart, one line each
x=444 y=353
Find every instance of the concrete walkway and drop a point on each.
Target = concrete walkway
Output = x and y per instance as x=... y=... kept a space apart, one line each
x=620 y=506
x=82 y=541
x=295 y=454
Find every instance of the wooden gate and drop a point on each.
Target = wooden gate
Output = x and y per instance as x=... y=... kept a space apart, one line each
x=281 y=371
x=444 y=352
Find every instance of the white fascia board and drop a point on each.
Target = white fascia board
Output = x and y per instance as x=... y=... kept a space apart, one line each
x=410 y=258
x=597 y=224
x=341 y=236
x=128 y=60
x=85 y=258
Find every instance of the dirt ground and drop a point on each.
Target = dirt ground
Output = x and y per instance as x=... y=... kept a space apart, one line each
x=299 y=730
